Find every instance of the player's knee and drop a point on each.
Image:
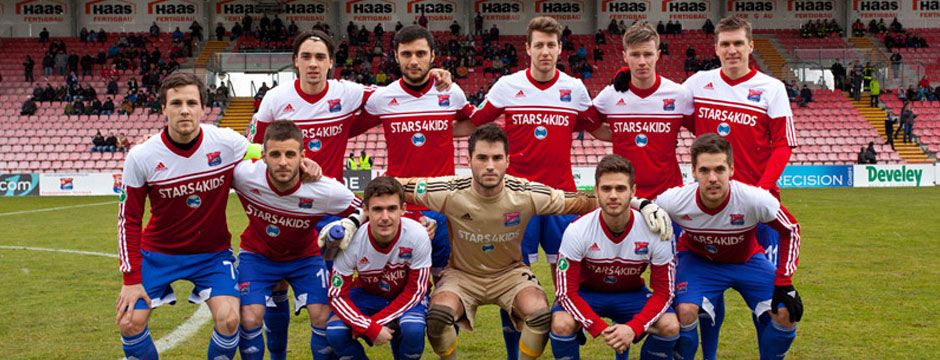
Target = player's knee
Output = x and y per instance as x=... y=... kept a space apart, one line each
x=319 y=314
x=540 y=320
x=133 y=327
x=782 y=319
x=667 y=326
x=563 y=324
x=227 y=321
x=251 y=319
x=439 y=318
x=688 y=313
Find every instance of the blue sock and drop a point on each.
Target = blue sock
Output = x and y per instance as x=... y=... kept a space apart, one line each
x=222 y=346
x=658 y=347
x=622 y=356
x=251 y=343
x=319 y=345
x=411 y=334
x=276 y=322
x=710 y=333
x=565 y=347
x=776 y=340
x=687 y=343
x=344 y=346
x=510 y=336
x=140 y=346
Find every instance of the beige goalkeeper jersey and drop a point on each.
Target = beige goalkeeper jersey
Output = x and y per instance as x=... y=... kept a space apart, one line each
x=486 y=232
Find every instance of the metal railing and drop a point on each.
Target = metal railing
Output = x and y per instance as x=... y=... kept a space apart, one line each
x=250 y=62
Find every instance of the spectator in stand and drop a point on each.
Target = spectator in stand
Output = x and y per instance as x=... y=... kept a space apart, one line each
x=664 y=48
x=44 y=35
x=660 y=28
x=890 y=120
x=292 y=29
x=869 y=155
x=838 y=74
x=196 y=30
x=792 y=92
x=108 y=107
x=896 y=63
x=478 y=25
x=127 y=107
x=911 y=94
x=154 y=30
x=95 y=108
x=875 y=88
x=111 y=142
x=61 y=63
x=123 y=143
x=708 y=28
x=69 y=109
x=423 y=20
x=598 y=54
x=48 y=63
x=246 y=23
x=78 y=107
x=936 y=92
x=236 y=31
x=219 y=32
x=806 y=96
x=856 y=78
x=862 y=156
x=352 y=163
x=29 y=107
x=907 y=122
x=28 y=65
x=896 y=26
x=398 y=26
x=221 y=95
x=600 y=38
x=494 y=33
x=177 y=35
x=455 y=28
x=98 y=144
x=858 y=28
x=88 y=66
x=379 y=32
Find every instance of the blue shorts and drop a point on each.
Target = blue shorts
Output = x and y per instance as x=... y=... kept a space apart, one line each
x=369 y=304
x=701 y=282
x=620 y=307
x=326 y=220
x=440 y=244
x=213 y=274
x=769 y=239
x=546 y=230
x=258 y=275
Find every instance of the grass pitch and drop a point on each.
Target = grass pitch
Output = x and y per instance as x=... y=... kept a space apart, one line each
x=868 y=276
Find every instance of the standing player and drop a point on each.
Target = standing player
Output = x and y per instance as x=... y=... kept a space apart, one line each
x=600 y=265
x=279 y=242
x=388 y=299
x=718 y=250
x=186 y=172
x=751 y=110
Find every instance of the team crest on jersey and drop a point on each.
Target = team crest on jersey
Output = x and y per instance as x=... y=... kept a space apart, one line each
x=621 y=102
x=118 y=183
x=314 y=145
x=364 y=261
x=565 y=95
x=754 y=94
x=405 y=253
x=66 y=183
x=712 y=249
x=272 y=231
x=737 y=219
x=384 y=285
x=394 y=102
x=418 y=139
x=335 y=105
x=160 y=167
x=488 y=247
x=305 y=203
x=669 y=104
x=594 y=247
x=610 y=279
x=511 y=219
x=289 y=108
x=724 y=129
x=541 y=132
x=641 y=140
x=709 y=86
x=641 y=248
x=520 y=94
x=193 y=201
x=443 y=100
x=214 y=158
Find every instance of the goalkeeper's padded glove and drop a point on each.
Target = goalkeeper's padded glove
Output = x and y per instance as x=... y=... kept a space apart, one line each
x=656 y=218
x=350 y=224
x=787 y=295
x=621 y=81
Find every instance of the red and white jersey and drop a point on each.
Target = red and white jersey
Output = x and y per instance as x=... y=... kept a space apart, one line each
x=539 y=120
x=752 y=112
x=188 y=192
x=399 y=272
x=418 y=127
x=282 y=224
x=325 y=119
x=596 y=260
x=728 y=234
x=644 y=125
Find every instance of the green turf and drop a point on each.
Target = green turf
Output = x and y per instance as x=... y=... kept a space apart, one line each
x=868 y=276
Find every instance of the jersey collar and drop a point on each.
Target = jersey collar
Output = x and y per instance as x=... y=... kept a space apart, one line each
x=279 y=192
x=737 y=81
x=643 y=93
x=701 y=206
x=539 y=85
x=388 y=248
x=184 y=153
x=610 y=235
x=419 y=93
x=308 y=97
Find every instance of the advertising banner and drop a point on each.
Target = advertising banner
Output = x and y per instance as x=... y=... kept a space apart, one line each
x=19 y=184
x=356 y=180
x=690 y=13
x=26 y=18
x=138 y=15
x=305 y=13
x=816 y=176
x=76 y=184
x=911 y=13
x=782 y=14
x=894 y=175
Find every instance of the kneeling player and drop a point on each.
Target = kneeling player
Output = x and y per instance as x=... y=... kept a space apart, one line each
x=279 y=242
x=601 y=261
x=388 y=299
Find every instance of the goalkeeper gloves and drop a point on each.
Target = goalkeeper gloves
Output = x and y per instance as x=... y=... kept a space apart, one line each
x=790 y=299
x=621 y=81
x=656 y=218
x=349 y=225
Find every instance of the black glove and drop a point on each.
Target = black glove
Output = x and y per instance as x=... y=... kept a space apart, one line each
x=790 y=299
x=621 y=80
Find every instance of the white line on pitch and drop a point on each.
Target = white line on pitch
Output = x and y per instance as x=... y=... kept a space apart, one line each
x=55 y=208
x=177 y=336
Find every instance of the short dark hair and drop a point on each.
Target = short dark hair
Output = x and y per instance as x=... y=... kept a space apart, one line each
x=545 y=24
x=383 y=185
x=489 y=133
x=613 y=164
x=179 y=79
x=411 y=33
x=315 y=35
x=281 y=130
x=710 y=143
x=734 y=23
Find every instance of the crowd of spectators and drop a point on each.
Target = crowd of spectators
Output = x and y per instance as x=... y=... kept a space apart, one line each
x=112 y=143
x=820 y=29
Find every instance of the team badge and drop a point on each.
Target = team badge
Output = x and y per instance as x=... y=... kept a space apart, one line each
x=123 y=196
x=443 y=100
x=682 y=287
x=724 y=129
x=712 y=249
x=244 y=287
x=337 y=281
x=610 y=279
x=565 y=95
x=252 y=130
x=335 y=105
x=193 y=201
x=214 y=158
x=562 y=264
x=66 y=184
x=272 y=231
x=421 y=188
x=737 y=219
x=314 y=145
x=641 y=248
x=541 y=132
x=305 y=203
x=511 y=219
x=641 y=140
x=118 y=183
x=384 y=285
x=405 y=253
x=669 y=104
x=418 y=139
x=488 y=247
x=754 y=94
